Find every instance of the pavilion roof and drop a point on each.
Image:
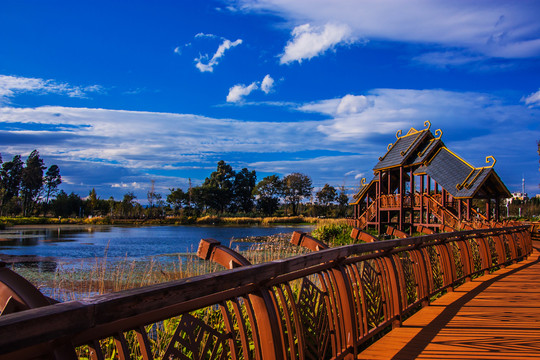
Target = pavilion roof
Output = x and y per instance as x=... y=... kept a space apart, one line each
x=461 y=179
x=411 y=148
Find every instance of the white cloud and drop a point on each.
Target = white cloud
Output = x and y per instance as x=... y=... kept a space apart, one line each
x=237 y=92
x=507 y=28
x=131 y=186
x=351 y=104
x=203 y=35
x=533 y=99
x=209 y=66
x=124 y=147
x=309 y=41
x=12 y=85
x=347 y=105
x=445 y=59
x=267 y=84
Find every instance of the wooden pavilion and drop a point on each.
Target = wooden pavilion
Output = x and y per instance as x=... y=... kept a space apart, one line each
x=420 y=182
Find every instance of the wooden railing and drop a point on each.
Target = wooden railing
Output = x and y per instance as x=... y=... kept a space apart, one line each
x=444 y=216
x=325 y=304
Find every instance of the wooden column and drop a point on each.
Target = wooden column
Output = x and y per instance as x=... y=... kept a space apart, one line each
x=459 y=209
x=443 y=197
x=469 y=209
x=421 y=199
x=411 y=183
x=488 y=210
x=401 y=190
x=497 y=204
x=378 y=187
x=428 y=192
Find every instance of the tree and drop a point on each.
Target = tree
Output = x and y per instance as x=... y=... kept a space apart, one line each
x=296 y=187
x=52 y=179
x=219 y=187
x=11 y=177
x=66 y=205
x=327 y=195
x=268 y=192
x=343 y=202
x=31 y=181
x=127 y=204
x=92 y=201
x=177 y=198
x=243 y=186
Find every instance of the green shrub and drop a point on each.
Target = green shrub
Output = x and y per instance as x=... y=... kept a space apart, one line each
x=334 y=234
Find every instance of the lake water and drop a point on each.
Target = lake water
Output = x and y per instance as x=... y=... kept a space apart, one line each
x=45 y=247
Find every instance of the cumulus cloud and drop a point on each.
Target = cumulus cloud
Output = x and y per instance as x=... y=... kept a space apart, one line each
x=267 y=84
x=533 y=99
x=239 y=91
x=209 y=65
x=12 y=85
x=309 y=41
x=347 y=105
x=506 y=29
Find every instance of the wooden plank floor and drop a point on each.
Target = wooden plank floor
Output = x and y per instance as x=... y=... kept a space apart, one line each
x=496 y=316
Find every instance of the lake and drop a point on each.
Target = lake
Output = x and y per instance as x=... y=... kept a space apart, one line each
x=45 y=247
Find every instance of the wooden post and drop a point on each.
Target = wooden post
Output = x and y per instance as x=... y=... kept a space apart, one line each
x=488 y=212
x=421 y=199
x=497 y=204
x=411 y=182
x=468 y=209
x=401 y=190
x=428 y=192
x=443 y=193
x=379 y=186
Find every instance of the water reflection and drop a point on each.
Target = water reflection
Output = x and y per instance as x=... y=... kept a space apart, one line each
x=43 y=248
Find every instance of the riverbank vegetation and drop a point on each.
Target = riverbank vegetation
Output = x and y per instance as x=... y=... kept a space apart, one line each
x=32 y=195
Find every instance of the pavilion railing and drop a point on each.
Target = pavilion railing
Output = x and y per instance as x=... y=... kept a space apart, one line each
x=325 y=304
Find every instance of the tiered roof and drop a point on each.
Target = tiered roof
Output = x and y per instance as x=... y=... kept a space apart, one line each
x=426 y=152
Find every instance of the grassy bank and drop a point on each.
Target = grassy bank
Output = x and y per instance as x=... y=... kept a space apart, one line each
x=204 y=220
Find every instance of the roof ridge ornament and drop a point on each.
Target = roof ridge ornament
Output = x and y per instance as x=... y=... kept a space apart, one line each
x=412 y=131
x=468 y=185
x=439 y=133
x=487 y=161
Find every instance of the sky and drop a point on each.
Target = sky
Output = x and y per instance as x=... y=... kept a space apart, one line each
x=120 y=94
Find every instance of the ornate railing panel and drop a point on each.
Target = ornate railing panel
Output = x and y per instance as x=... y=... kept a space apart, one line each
x=325 y=304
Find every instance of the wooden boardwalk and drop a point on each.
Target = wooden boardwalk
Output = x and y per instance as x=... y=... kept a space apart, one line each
x=496 y=316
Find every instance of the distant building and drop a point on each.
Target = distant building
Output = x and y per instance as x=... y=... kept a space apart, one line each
x=517 y=196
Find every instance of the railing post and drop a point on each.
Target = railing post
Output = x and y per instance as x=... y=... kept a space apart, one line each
x=265 y=313
x=341 y=287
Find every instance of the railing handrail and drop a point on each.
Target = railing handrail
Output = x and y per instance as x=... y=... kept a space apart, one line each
x=82 y=320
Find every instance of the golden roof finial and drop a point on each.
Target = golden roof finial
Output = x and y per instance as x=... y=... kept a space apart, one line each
x=487 y=161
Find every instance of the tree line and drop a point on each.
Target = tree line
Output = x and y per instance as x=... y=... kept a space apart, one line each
x=25 y=187
x=227 y=191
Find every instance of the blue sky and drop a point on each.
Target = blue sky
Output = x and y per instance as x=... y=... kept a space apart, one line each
x=119 y=93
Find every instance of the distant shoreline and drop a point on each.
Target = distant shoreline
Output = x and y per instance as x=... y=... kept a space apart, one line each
x=42 y=222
